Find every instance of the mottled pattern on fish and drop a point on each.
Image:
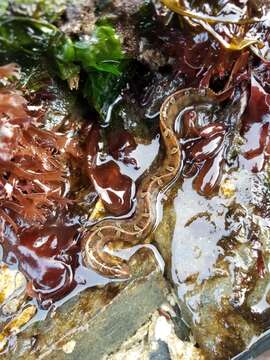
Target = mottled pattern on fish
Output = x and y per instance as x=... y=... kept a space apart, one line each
x=140 y=225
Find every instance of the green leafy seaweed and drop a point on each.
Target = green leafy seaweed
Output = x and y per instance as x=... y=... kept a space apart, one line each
x=102 y=90
x=102 y=51
x=98 y=58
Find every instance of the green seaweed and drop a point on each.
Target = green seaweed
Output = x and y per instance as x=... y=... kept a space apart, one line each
x=98 y=59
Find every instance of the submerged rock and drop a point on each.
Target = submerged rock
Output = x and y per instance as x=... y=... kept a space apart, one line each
x=220 y=261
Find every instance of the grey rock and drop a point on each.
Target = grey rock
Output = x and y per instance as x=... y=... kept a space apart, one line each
x=97 y=321
x=162 y=353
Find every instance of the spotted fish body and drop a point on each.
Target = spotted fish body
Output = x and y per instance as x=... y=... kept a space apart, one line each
x=140 y=225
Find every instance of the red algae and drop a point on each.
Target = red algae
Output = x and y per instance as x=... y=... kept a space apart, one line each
x=8 y=71
x=48 y=257
x=198 y=57
x=256 y=129
x=31 y=160
x=114 y=188
x=39 y=221
x=32 y=179
x=204 y=152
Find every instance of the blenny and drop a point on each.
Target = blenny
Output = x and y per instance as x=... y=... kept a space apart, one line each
x=134 y=230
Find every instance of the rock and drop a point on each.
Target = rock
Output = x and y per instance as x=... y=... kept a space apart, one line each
x=220 y=261
x=157 y=340
x=12 y=328
x=264 y=356
x=97 y=321
x=12 y=290
x=162 y=352
x=79 y=17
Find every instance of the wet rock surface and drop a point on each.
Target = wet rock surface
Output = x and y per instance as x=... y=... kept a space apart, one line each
x=219 y=261
x=157 y=339
x=97 y=321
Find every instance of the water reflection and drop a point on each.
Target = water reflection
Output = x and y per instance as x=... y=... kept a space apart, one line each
x=220 y=264
x=197 y=232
